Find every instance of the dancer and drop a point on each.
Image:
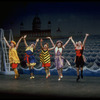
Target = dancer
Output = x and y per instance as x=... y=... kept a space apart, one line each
x=80 y=59
x=13 y=56
x=29 y=57
x=58 y=56
x=45 y=57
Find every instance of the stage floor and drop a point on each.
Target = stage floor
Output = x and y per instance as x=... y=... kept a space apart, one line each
x=40 y=87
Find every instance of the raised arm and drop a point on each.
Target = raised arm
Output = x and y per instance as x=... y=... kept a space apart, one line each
x=7 y=43
x=37 y=40
x=66 y=43
x=25 y=40
x=51 y=41
x=41 y=43
x=85 y=39
x=73 y=41
x=18 y=42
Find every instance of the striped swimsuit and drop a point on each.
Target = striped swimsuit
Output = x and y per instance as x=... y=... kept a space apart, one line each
x=45 y=58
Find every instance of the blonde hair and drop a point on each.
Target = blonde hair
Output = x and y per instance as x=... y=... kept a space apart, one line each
x=78 y=42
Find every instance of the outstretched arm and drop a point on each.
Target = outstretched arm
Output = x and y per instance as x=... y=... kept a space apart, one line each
x=41 y=43
x=66 y=43
x=73 y=41
x=7 y=43
x=85 y=39
x=51 y=41
x=18 y=42
x=51 y=48
x=25 y=40
x=37 y=40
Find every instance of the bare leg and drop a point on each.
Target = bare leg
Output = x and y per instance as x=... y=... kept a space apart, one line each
x=30 y=69
x=78 y=77
x=77 y=71
x=48 y=73
x=31 y=72
x=46 y=70
x=82 y=72
x=16 y=73
x=59 y=73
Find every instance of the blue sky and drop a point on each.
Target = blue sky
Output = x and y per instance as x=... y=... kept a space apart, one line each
x=69 y=16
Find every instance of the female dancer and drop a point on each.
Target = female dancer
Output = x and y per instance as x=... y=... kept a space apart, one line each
x=29 y=57
x=79 y=60
x=13 y=56
x=45 y=57
x=58 y=56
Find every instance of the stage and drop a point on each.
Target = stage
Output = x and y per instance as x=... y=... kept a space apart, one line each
x=40 y=87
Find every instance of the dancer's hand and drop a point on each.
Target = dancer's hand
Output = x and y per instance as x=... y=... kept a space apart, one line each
x=25 y=36
x=70 y=37
x=41 y=40
x=21 y=37
x=87 y=34
x=37 y=40
x=48 y=37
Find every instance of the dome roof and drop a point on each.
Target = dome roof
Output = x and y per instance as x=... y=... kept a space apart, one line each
x=36 y=20
x=36 y=25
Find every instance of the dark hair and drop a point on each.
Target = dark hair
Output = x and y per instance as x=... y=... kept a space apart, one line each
x=46 y=44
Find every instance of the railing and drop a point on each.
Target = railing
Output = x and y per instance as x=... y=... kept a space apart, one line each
x=4 y=63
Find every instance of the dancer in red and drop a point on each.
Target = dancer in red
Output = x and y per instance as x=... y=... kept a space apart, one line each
x=80 y=59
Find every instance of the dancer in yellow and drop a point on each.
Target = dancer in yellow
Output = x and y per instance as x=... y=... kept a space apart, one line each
x=13 y=56
x=45 y=57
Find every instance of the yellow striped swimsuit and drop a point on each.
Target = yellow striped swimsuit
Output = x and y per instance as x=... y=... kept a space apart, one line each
x=45 y=57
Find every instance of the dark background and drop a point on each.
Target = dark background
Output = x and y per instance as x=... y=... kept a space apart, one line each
x=74 y=16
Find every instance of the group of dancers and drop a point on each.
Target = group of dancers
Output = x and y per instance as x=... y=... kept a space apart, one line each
x=45 y=56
